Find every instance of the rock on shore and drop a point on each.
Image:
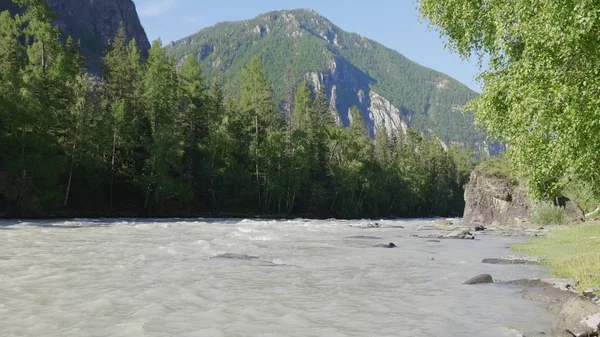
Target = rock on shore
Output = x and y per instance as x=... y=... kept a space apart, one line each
x=495 y=200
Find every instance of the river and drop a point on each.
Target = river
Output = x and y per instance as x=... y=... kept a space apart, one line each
x=253 y=278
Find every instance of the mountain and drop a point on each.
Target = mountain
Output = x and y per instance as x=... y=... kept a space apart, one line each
x=390 y=90
x=94 y=23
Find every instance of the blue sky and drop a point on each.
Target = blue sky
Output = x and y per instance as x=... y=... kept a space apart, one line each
x=394 y=23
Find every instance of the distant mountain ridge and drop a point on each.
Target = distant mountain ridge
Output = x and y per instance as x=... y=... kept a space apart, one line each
x=94 y=23
x=391 y=91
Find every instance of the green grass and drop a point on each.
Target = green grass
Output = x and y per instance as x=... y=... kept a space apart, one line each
x=546 y=213
x=571 y=252
x=499 y=167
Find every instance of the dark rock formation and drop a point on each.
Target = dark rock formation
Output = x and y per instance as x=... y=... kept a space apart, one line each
x=480 y=279
x=578 y=317
x=573 y=212
x=94 y=23
x=389 y=245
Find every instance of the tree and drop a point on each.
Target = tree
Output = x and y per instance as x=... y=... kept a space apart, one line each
x=541 y=90
x=260 y=118
x=122 y=101
x=194 y=120
x=160 y=103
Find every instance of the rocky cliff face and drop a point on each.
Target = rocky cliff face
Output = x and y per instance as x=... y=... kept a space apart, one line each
x=346 y=87
x=94 y=23
x=495 y=200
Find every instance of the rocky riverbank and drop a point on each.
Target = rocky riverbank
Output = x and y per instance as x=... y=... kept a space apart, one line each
x=577 y=310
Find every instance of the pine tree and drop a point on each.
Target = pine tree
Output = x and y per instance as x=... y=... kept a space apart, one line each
x=165 y=152
x=260 y=118
x=194 y=119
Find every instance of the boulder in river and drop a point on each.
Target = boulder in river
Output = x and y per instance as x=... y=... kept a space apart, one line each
x=460 y=235
x=389 y=245
x=480 y=279
x=373 y=225
x=578 y=317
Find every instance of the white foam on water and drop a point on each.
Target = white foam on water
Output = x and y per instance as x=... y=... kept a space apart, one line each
x=98 y=277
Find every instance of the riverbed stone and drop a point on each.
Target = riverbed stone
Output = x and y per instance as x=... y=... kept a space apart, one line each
x=480 y=279
x=578 y=317
x=510 y=261
x=388 y=245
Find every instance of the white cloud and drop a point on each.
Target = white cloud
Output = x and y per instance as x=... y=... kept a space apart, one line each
x=157 y=7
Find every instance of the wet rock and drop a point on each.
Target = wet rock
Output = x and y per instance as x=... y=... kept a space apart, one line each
x=364 y=237
x=480 y=279
x=479 y=228
x=564 y=284
x=389 y=245
x=553 y=292
x=373 y=225
x=578 y=317
x=508 y=260
x=229 y=256
x=462 y=235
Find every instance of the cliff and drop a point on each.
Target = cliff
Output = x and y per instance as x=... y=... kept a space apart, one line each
x=495 y=198
x=94 y=23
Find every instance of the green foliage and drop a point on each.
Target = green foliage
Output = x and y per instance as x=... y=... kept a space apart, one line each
x=299 y=42
x=582 y=193
x=546 y=213
x=498 y=167
x=541 y=87
x=151 y=139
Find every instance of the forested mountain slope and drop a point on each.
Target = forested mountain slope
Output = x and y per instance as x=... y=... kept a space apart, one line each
x=389 y=89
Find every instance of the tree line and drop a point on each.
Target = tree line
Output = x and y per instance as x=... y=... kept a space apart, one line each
x=150 y=138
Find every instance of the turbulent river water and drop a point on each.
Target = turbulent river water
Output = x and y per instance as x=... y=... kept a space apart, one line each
x=253 y=278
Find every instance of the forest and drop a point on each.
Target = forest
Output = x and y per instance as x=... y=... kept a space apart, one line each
x=153 y=137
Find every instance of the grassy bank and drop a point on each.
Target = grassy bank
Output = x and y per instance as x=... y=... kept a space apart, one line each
x=571 y=252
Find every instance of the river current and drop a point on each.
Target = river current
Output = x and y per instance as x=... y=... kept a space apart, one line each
x=267 y=278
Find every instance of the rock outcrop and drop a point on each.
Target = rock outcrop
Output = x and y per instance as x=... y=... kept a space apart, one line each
x=493 y=199
x=573 y=212
x=579 y=317
x=94 y=23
